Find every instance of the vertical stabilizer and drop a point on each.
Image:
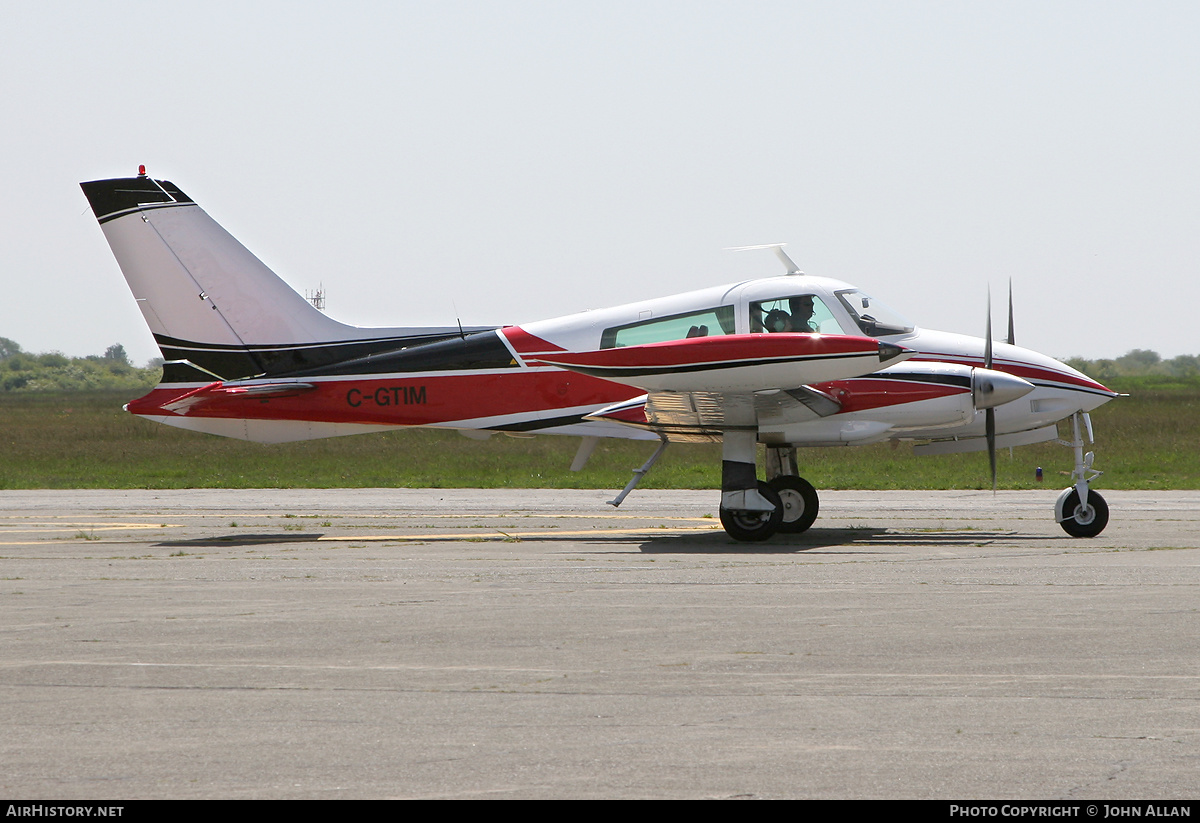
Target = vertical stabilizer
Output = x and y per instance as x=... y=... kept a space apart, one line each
x=193 y=281
x=215 y=308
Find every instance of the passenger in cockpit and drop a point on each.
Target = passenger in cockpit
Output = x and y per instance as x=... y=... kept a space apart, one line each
x=777 y=320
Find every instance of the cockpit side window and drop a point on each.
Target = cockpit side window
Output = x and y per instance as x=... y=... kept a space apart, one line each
x=799 y=313
x=874 y=319
x=706 y=323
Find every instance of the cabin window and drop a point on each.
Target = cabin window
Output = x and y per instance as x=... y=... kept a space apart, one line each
x=706 y=323
x=874 y=319
x=800 y=313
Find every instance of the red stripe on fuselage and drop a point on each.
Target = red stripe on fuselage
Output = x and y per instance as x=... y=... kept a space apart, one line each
x=720 y=351
x=525 y=343
x=1018 y=368
x=406 y=400
x=865 y=393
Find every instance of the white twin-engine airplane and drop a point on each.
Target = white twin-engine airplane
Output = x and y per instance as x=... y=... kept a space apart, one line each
x=784 y=361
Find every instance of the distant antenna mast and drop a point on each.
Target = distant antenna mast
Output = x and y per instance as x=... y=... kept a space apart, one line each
x=317 y=298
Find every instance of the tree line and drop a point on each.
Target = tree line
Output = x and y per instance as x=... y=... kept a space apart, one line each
x=1138 y=363
x=22 y=371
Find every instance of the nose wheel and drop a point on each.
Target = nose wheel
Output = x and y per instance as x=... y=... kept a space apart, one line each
x=1081 y=519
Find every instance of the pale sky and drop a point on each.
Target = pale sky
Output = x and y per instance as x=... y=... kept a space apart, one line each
x=512 y=161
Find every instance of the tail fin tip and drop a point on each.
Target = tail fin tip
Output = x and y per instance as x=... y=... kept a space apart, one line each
x=113 y=198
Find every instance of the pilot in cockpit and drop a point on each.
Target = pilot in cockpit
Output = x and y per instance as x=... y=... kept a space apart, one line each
x=802 y=312
x=780 y=320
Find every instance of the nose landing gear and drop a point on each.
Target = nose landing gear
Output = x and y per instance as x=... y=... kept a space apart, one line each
x=1080 y=511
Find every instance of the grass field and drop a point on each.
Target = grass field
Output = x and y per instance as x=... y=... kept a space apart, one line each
x=85 y=440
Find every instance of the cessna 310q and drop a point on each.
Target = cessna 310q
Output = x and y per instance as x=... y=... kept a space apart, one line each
x=784 y=361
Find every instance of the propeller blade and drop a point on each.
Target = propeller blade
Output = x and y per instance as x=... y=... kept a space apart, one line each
x=989 y=417
x=1012 y=337
x=987 y=337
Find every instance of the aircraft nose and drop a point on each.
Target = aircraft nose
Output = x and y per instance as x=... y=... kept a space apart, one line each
x=990 y=388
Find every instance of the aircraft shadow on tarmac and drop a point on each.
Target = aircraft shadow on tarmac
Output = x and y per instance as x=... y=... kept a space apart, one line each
x=216 y=540
x=815 y=539
x=711 y=542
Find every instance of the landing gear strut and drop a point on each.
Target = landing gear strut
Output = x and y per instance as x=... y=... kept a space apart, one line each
x=1079 y=510
x=750 y=509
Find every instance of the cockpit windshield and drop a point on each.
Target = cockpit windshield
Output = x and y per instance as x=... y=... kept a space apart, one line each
x=872 y=317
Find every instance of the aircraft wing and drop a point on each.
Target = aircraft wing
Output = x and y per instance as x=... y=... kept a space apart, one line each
x=735 y=363
x=702 y=417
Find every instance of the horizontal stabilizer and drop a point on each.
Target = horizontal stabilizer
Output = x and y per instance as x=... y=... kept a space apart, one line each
x=217 y=393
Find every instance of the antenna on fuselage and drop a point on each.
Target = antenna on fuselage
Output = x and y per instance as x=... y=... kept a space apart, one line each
x=788 y=262
x=458 y=319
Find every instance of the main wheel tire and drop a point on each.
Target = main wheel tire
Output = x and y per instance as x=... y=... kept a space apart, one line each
x=1080 y=521
x=754 y=526
x=800 y=503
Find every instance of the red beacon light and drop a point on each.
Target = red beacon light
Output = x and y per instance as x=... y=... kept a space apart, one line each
x=142 y=170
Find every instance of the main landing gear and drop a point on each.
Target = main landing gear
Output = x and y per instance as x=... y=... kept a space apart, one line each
x=745 y=515
x=752 y=525
x=799 y=498
x=1079 y=510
